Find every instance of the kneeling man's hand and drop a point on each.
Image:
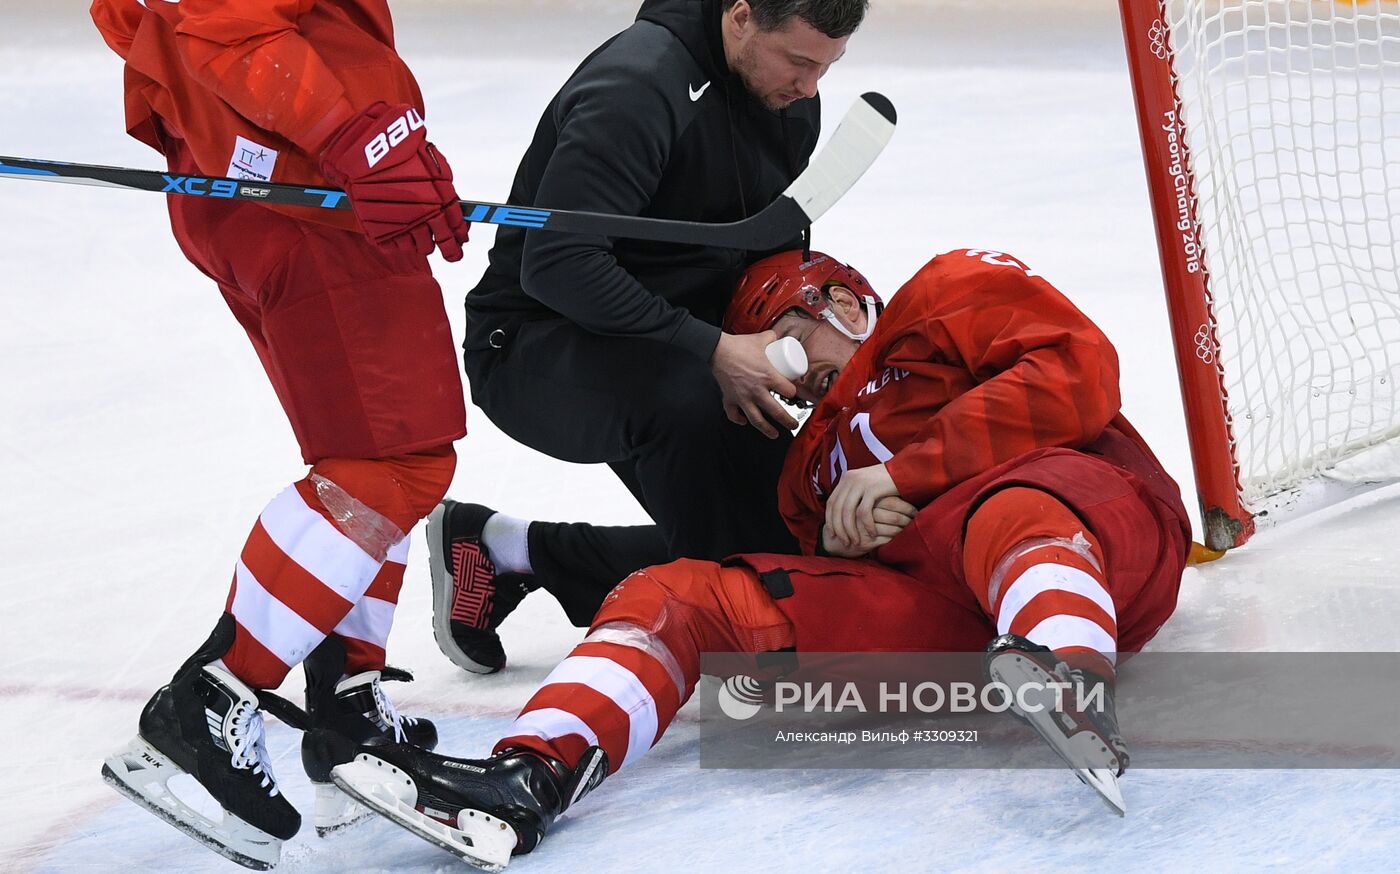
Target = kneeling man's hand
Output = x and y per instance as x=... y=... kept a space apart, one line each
x=747 y=380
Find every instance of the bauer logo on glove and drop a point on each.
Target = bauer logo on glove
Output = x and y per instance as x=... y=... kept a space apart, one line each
x=400 y=187
x=398 y=132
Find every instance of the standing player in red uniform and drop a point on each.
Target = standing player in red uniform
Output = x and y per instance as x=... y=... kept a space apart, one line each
x=349 y=324
x=971 y=439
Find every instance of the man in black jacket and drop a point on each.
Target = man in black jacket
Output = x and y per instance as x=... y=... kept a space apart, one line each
x=593 y=350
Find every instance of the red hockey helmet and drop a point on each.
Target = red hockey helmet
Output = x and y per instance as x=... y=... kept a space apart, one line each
x=786 y=281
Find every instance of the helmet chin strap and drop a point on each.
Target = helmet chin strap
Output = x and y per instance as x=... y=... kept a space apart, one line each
x=871 y=314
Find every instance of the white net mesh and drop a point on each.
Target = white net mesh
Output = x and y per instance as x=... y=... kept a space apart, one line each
x=1292 y=112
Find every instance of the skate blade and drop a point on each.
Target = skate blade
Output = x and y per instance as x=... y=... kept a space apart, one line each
x=337 y=812
x=480 y=839
x=141 y=773
x=1105 y=782
x=443 y=589
x=1078 y=751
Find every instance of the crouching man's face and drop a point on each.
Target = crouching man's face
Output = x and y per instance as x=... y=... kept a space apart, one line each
x=828 y=350
x=782 y=64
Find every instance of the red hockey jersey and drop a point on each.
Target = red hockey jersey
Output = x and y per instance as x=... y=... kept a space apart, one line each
x=254 y=88
x=975 y=361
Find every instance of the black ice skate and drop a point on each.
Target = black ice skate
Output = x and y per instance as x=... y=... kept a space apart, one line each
x=1087 y=738
x=482 y=810
x=356 y=709
x=470 y=599
x=208 y=724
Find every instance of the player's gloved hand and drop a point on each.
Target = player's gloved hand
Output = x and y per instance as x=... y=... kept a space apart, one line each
x=892 y=515
x=850 y=511
x=747 y=380
x=399 y=186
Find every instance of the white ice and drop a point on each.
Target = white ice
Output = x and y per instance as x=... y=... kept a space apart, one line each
x=139 y=438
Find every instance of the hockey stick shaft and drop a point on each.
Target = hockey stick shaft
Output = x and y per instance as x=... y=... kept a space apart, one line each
x=857 y=142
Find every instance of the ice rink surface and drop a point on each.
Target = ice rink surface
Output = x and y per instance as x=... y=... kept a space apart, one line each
x=139 y=439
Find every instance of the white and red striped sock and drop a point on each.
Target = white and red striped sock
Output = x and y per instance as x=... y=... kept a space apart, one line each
x=365 y=629
x=619 y=689
x=1054 y=593
x=298 y=578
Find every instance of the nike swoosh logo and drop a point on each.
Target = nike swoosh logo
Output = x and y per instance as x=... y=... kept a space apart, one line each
x=696 y=93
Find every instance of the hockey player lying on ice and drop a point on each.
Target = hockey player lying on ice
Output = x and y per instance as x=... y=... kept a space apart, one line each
x=983 y=399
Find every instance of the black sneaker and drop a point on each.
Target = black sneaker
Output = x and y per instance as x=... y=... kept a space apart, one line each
x=356 y=709
x=470 y=599
x=483 y=810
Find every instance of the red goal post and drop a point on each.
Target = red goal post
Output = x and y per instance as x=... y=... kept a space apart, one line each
x=1271 y=137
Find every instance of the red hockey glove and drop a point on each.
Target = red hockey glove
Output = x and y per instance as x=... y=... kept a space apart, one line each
x=399 y=186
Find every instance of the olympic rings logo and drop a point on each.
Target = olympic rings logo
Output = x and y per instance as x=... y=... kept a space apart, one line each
x=1157 y=35
x=1205 y=347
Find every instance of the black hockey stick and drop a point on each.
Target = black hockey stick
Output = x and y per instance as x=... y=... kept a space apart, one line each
x=854 y=146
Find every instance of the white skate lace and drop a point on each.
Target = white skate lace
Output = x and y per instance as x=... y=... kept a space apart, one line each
x=249 y=744
x=389 y=714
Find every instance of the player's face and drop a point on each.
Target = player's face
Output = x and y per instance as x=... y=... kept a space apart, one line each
x=782 y=65
x=828 y=350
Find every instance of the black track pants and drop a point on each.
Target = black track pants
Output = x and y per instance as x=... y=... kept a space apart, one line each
x=653 y=413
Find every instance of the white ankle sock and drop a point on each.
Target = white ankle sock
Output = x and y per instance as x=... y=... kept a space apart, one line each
x=507 y=541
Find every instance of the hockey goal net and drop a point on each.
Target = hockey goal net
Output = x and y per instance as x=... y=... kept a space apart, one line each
x=1271 y=132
